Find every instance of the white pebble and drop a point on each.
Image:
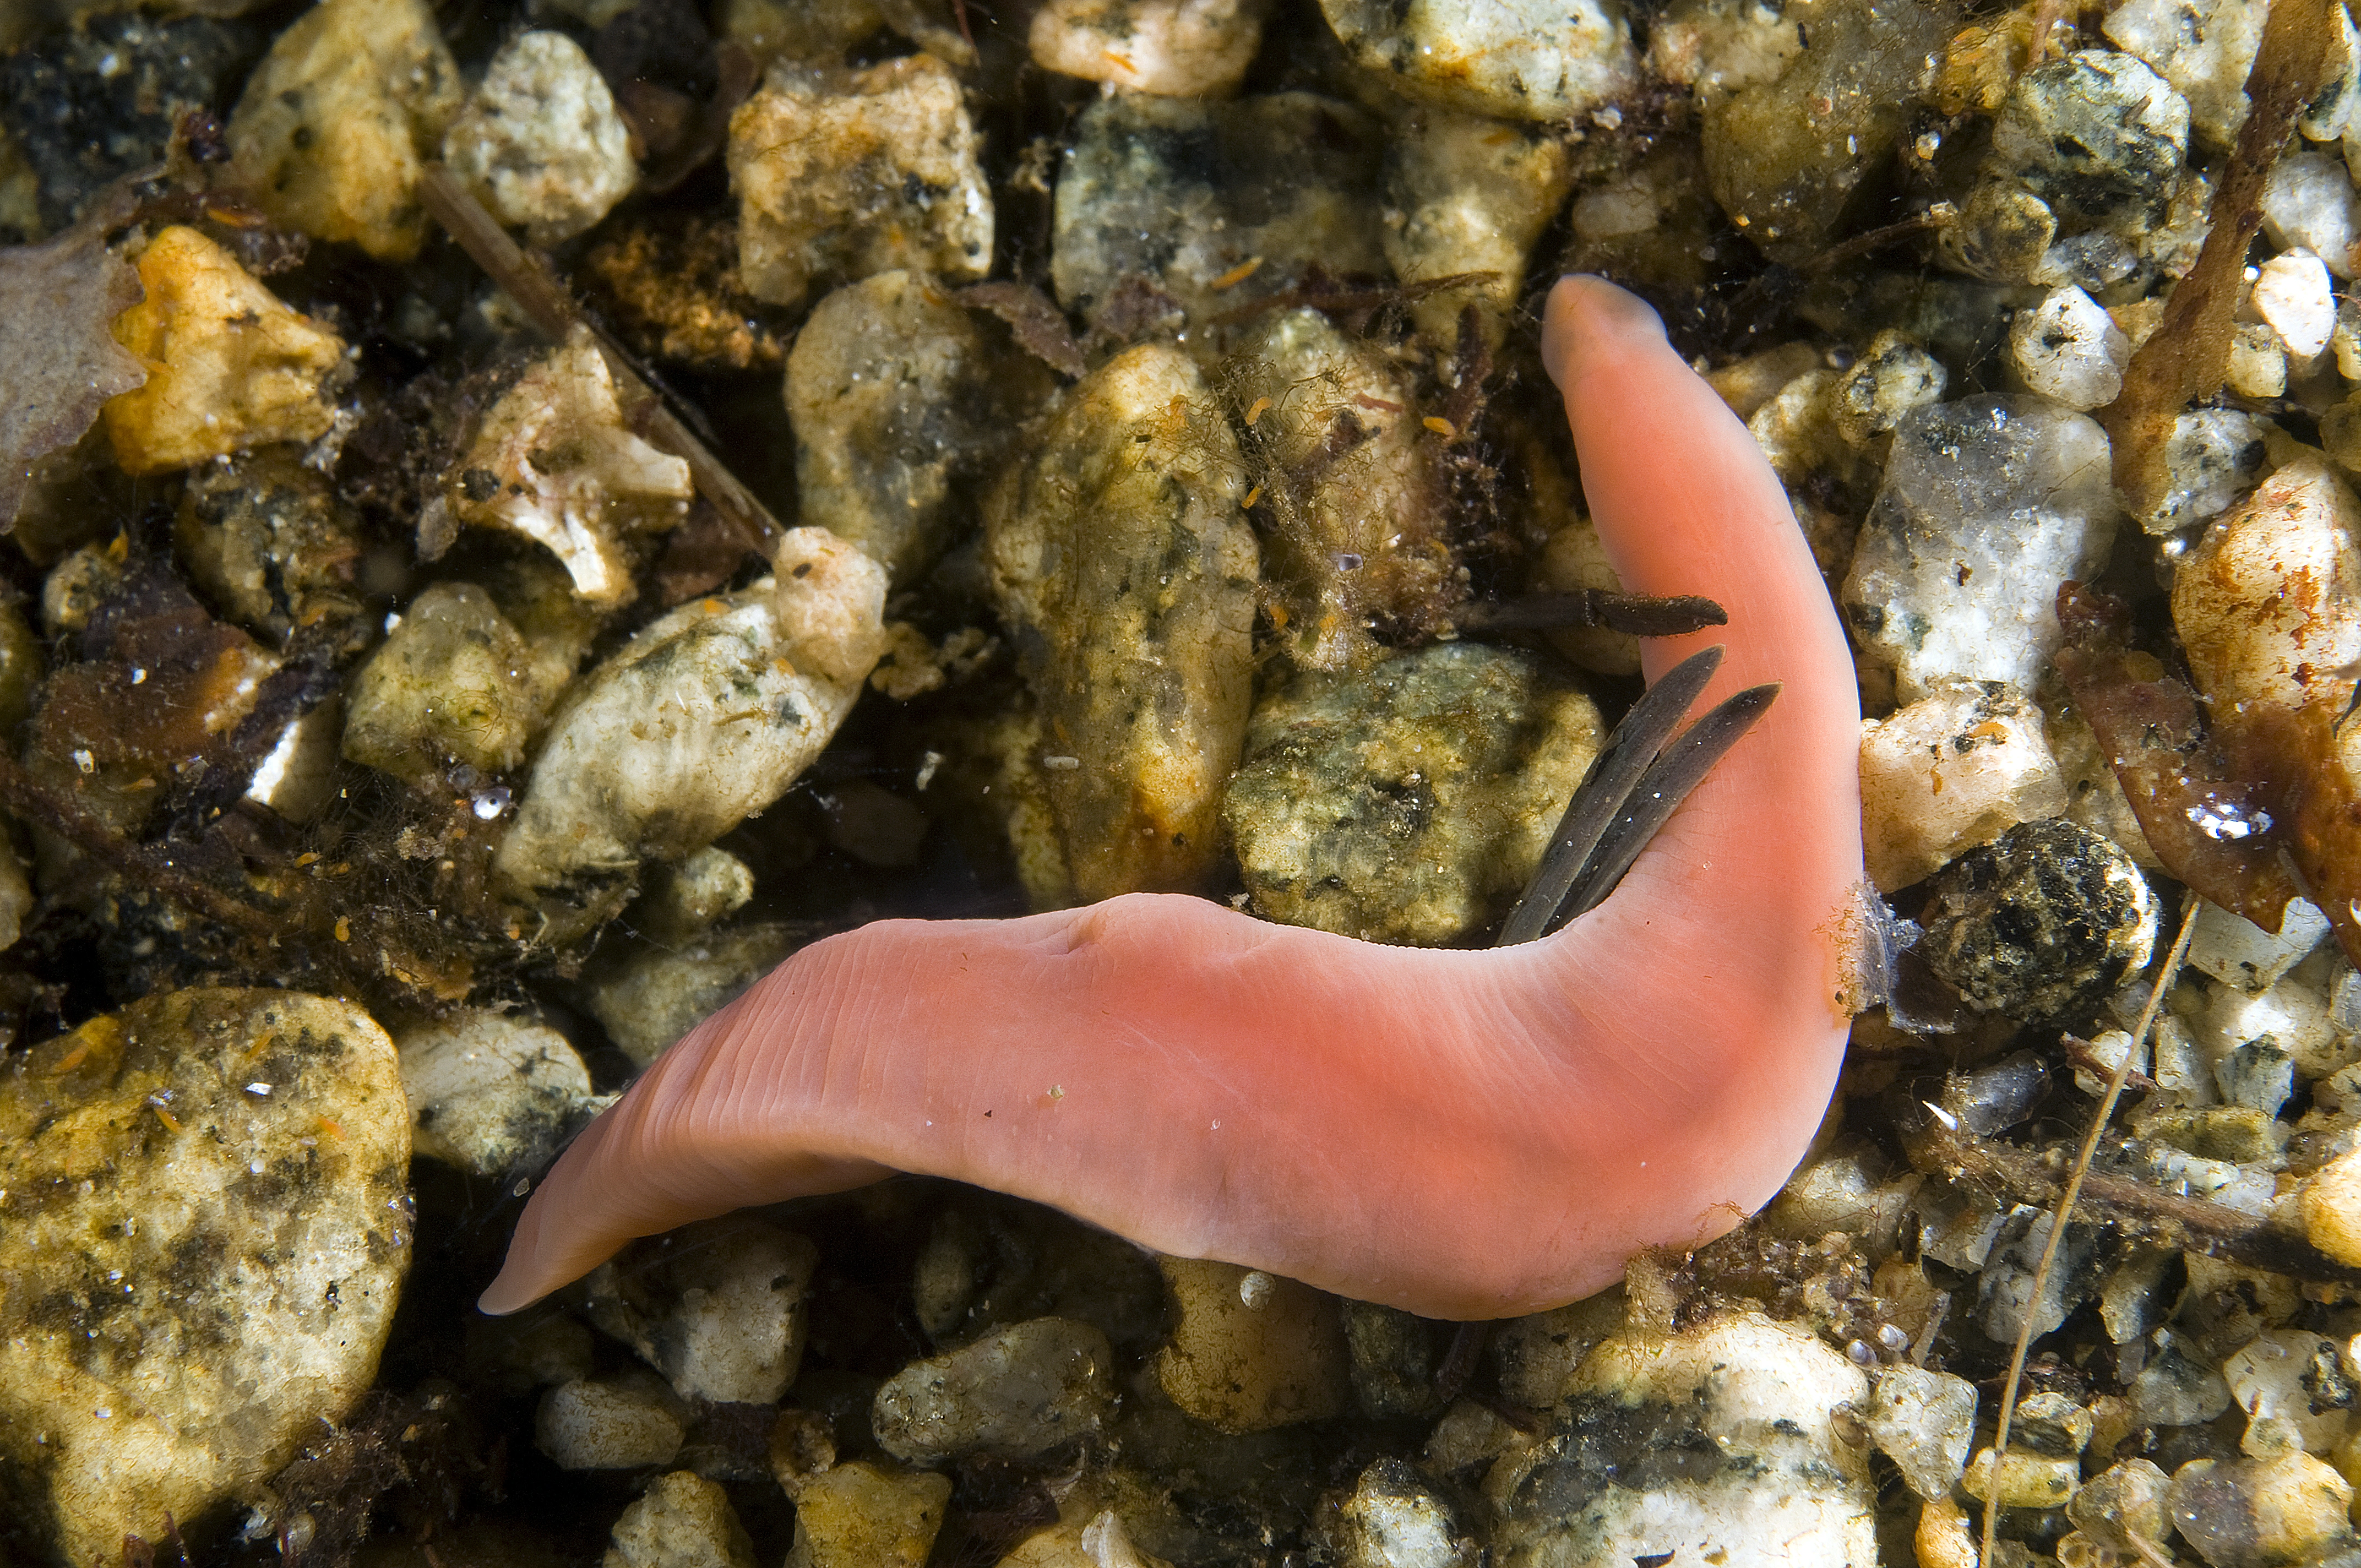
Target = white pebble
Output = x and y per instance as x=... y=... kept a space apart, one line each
x=1175 y=49
x=2234 y=949
x=2275 y=1377
x=2308 y=204
x=2067 y=348
x=541 y=141
x=2293 y=295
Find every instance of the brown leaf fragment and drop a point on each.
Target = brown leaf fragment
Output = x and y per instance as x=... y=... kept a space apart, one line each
x=1040 y=327
x=2181 y=784
x=58 y=302
x=2188 y=356
x=2302 y=756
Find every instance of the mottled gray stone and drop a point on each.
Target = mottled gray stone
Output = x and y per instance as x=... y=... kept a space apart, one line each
x=491 y=1092
x=2005 y=1292
x=1409 y=804
x=1394 y=1518
x=1016 y=1392
x=651 y=999
x=2044 y=923
x=2178 y=1387
x=2257 y=1075
x=717 y=1307
x=1183 y=192
x=1125 y=569
x=2212 y=458
x=1357 y=538
x=272 y=544
x=1715 y=1445
x=900 y=399
x=1785 y=157
x=1393 y=1355
x=1891 y=379
x=2098 y=136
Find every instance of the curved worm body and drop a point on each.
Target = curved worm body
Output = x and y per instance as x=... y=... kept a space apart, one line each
x=1464 y=1135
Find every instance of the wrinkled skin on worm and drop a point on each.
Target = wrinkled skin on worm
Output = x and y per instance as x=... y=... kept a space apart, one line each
x=1461 y=1133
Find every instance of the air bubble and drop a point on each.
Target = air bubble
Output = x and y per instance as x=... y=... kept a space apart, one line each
x=2229 y=821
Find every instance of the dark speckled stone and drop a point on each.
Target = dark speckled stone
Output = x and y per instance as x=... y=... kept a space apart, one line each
x=2043 y=924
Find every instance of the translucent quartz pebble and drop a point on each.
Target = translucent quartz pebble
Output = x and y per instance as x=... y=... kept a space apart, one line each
x=2308 y=203
x=1925 y=1422
x=2070 y=350
x=1988 y=503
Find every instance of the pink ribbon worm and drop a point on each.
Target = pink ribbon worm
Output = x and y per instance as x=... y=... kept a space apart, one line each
x=1461 y=1133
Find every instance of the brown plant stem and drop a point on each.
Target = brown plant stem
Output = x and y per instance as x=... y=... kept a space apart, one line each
x=2188 y=356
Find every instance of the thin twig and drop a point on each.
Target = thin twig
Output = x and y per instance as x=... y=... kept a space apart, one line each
x=2135 y=1208
x=2065 y=1212
x=2085 y=1055
x=551 y=309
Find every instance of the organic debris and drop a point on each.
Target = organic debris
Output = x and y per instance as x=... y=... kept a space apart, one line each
x=57 y=305
x=2187 y=356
